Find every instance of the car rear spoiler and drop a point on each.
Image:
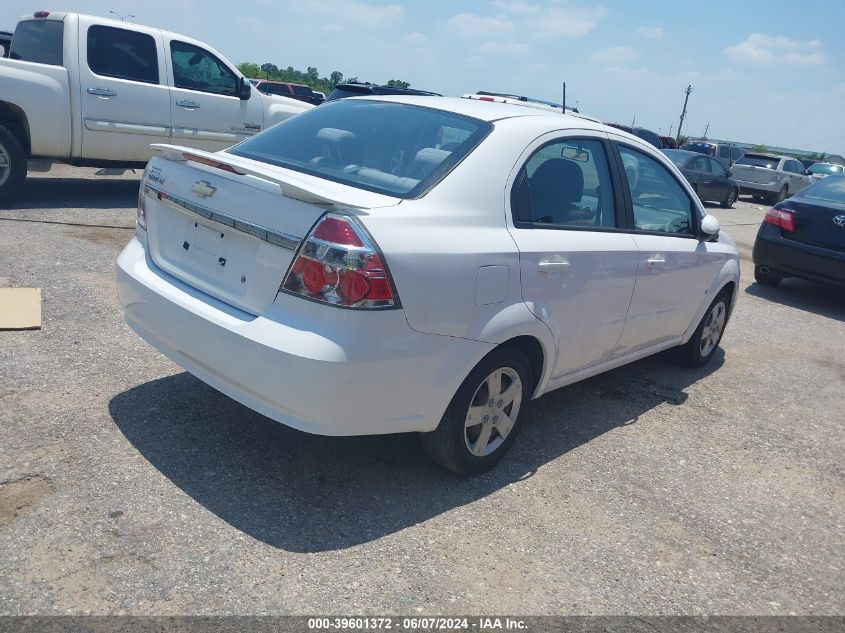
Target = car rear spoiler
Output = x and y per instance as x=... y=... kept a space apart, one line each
x=289 y=186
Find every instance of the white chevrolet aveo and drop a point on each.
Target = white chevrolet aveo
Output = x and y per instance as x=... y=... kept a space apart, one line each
x=396 y=264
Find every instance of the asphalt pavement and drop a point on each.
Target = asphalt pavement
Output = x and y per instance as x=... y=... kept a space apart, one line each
x=129 y=487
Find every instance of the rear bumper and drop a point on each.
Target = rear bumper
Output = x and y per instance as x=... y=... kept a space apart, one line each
x=796 y=259
x=759 y=188
x=312 y=367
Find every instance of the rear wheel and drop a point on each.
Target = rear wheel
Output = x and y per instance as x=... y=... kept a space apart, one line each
x=765 y=276
x=729 y=200
x=12 y=165
x=702 y=345
x=782 y=195
x=484 y=417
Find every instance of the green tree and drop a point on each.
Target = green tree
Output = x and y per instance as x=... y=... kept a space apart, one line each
x=250 y=69
x=335 y=78
x=270 y=70
x=398 y=83
x=760 y=149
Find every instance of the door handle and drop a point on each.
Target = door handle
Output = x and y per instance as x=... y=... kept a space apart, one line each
x=188 y=105
x=550 y=266
x=656 y=262
x=102 y=92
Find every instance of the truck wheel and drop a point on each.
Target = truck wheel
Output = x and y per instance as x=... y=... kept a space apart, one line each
x=12 y=165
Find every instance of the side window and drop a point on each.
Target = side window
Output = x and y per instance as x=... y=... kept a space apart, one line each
x=122 y=54
x=196 y=69
x=660 y=202
x=565 y=183
x=718 y=168
x=700 y=163
x=724 y=151
x=736 y=153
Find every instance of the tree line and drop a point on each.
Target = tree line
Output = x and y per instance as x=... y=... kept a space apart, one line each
x=310 y=77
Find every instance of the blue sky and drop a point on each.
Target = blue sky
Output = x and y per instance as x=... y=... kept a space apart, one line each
x=768 y=72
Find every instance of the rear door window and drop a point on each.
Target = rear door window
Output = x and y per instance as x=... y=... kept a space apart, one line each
x=122 y=54
x=755 y=160
x=39 y=41
x=717 y=168
x=565 y=184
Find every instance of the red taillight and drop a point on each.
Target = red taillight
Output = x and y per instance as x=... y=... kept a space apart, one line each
x=41 y=14
x=486 y=99
x=339 y=264
x=783 y=218
x=337 y=231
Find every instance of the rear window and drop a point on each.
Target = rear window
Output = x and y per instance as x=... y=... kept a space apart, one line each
x=759 y=161
x=348 y=91
x=831 y=189
x=826 y=168
x=678 y=157
x=39 y=41
x=302 y=90
x=394 y=149
x=701 y=148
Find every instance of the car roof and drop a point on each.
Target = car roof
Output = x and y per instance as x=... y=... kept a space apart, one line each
x=493 y=111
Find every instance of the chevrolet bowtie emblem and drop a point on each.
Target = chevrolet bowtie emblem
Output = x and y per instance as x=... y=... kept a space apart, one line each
x=203 y=189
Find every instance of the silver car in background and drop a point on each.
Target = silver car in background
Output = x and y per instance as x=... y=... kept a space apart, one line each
x=770 y=176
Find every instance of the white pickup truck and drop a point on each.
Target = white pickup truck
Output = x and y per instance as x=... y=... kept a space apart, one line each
x=94 y=92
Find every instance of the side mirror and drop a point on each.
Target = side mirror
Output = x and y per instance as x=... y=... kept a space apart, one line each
x=709 y=228
x=244 y=89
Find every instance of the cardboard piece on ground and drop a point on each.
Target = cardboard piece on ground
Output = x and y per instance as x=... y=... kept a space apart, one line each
x=20 y=308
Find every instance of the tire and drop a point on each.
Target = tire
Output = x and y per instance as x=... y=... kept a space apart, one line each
x=729 y=200
x=769 y=278
x=782 y=195
x=12 y=165
x=472 y=449
x=701 y=347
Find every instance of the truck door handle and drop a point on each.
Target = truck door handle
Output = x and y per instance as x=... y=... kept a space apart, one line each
x=188 y=105
x=656 y=262
x=551 y=266
x=102 y=92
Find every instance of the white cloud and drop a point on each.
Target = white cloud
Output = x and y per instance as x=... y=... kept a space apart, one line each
x=353 y=12
x=767 y=49
x=471 y=25
x=512 y=48
x=650 y=32
x=566 y=20
x=615 y=55
x=516 y=6
x=416 y=38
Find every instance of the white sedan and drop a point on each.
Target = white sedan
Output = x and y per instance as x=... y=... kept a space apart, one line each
x=399 y=264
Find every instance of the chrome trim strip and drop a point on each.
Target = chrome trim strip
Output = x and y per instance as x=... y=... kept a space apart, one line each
x=276 y=238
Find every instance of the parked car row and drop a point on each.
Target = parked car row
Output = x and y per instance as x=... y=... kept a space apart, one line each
x=300 y=92
x=5 y=43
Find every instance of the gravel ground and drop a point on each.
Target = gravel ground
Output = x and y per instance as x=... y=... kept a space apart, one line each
x=129 y=487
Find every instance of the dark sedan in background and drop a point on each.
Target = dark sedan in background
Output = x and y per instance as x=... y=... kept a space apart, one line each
x=707 y=176
x=804 y=236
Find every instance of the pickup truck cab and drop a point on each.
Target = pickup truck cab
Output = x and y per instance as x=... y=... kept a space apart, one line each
x=95 y=92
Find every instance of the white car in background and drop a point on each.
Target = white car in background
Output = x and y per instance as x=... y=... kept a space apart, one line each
x=822 y=170
x=397 y=264
x=769 y=176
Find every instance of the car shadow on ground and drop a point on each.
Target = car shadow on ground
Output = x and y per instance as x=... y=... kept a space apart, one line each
x=307 y=493
x=76 y=193
x=822 y=299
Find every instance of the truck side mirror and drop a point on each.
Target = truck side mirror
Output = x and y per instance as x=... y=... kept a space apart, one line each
x=244 y=89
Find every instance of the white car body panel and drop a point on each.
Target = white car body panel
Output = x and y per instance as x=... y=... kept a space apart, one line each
x=119 y=123
x=467 y=279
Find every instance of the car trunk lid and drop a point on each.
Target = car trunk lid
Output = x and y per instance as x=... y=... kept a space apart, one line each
x=815 y=224
x=230 y=226
x=752 y=173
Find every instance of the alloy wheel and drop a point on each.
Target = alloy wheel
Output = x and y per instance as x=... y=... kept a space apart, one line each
x=5 y=165
x=493 y=411
x=713 y=326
